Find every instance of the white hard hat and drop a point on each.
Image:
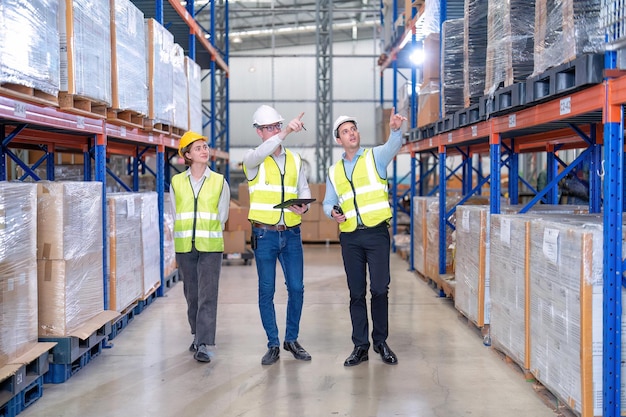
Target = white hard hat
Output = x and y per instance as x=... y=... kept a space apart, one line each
x=266 y=115
x=341 y=120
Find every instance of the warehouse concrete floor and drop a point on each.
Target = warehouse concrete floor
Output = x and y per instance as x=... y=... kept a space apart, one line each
x=444 y=369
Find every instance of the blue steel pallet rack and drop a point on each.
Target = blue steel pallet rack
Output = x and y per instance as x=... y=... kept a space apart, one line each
x=555 y=116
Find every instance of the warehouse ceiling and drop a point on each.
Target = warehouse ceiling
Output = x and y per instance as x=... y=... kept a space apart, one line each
x=266 y=24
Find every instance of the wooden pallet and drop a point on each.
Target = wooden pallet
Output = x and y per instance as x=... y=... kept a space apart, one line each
x=81 y=105
x=29 y=94
x=128 y=118
x=151 y=125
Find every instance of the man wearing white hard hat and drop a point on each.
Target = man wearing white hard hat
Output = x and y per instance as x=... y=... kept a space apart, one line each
x=275 y=175
x=357 y=199
x=200 y=200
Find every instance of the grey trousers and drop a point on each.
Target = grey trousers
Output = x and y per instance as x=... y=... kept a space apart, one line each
x=200 y=272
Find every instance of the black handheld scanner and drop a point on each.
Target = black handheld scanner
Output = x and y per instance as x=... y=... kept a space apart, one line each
x=337 y=209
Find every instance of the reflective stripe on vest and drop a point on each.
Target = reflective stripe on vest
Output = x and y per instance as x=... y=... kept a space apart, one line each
x=366 y=195
x=203 y=211
x=270 y=188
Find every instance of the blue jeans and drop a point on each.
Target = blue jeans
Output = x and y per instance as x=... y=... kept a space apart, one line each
x=286 y=247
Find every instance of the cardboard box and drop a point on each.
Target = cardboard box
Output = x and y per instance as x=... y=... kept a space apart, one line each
x=428 y=108
x=235 y=241
x=70 y=293
x=432 y=58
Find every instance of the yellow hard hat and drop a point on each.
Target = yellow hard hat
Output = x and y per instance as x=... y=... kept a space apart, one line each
x=187 y=139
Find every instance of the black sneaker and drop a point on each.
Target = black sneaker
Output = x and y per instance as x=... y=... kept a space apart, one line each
x=194 y=346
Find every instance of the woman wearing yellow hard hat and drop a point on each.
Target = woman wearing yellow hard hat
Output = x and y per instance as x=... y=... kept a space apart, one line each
x=200 y=201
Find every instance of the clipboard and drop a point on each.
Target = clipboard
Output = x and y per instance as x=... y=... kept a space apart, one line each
x=294 y=202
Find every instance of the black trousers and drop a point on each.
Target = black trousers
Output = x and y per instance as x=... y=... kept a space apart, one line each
x=361 y=249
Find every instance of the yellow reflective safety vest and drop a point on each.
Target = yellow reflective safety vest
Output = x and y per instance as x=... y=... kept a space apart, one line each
x=366 y=195
x=270 y=188
x=197 y=219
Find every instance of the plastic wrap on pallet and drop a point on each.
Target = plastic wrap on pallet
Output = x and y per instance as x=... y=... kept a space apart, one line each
x=159 y=44
x=69 y=255
x=169 y=254
x=426 y=227
x=125 y=250
x=428 y=103
x=566 y=309
x=429 y=20
x=471 y=261
x=85 y=34
x=613 y=18
x=128 y=58
x=474 y=51
x=180 y=86
x=29 y=44
x=150 y=242
x=452 y=67
x=194 y=92
x=510 y=43
x=565 y=29
x=18 y=269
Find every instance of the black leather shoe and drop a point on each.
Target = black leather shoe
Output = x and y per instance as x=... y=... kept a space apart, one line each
x=297 y=350
x=357 y=356
x=386 y=354
x=271 y=356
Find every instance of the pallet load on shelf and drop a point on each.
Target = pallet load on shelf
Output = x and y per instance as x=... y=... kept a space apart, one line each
x=564 y=30
x=150 y=242
x=129 y=89
x=426 y=232
x=510 y=43
x=85 y=34
x=472 y=259
x=29 y=50
x=194 y=94
x=452 y=67
x=474 y=50
x=70 y=258
x=160 y=43
x=169 y=254
x=180 y=113
x=428 y=103
x=566 y=304
x=125 y=251
x=18 y=269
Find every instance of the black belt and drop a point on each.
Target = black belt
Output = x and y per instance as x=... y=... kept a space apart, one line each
x=363 y=227
x=275 y=227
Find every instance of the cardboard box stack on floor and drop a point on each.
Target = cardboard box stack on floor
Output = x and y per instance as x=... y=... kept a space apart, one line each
x=150 y=243
x=69 y=255
x=125 y=252
x=18 y=269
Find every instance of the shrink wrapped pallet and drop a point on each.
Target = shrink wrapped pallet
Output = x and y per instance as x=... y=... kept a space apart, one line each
x=565 y=29
x=85 y=34
x=169 y=254
x=159 y=45
x=125 y=251
x=431 y=260
x=128 y=58
x=452 y=67
x=566 y=310
x=194 y=87
x=18 y=269
x=69 y=255
x=471 y=261
x=509 y=271
x=150 y=242
x=510 y=43
x=180 y=89
x=29 y=44
x=474 y=50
